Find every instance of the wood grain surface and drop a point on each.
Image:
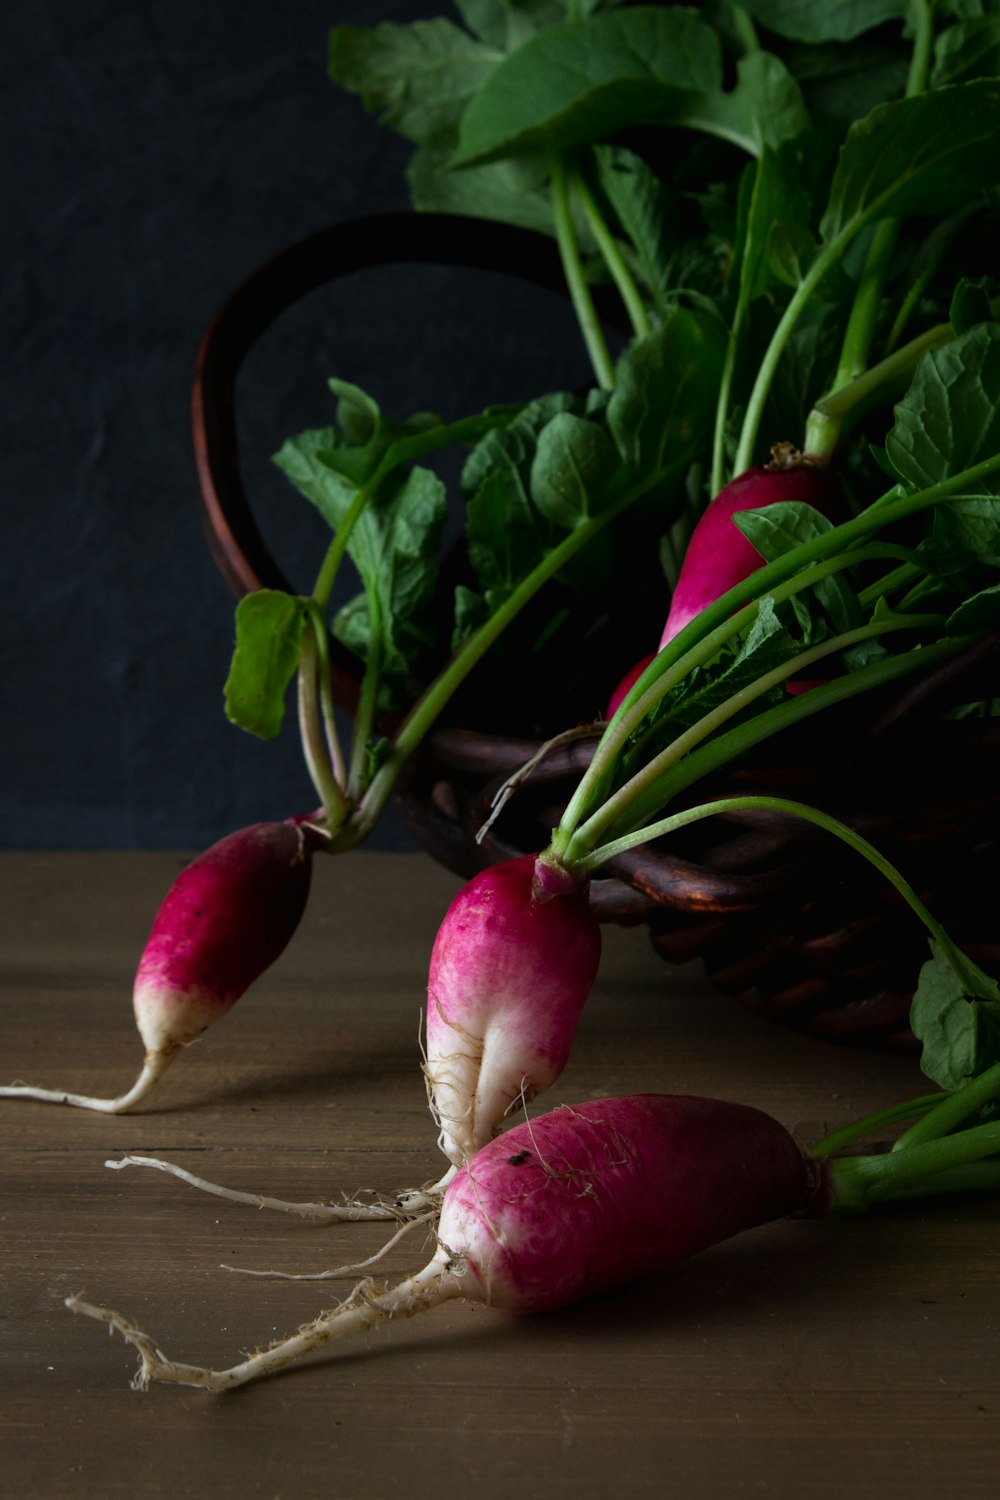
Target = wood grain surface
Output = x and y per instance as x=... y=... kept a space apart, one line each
x=850 y=1358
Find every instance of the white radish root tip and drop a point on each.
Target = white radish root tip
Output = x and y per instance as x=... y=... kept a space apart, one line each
x=154 y=1066
x=367 y=1304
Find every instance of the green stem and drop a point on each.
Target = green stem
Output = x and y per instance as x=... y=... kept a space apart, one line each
x=884 y=1119
x=364 y=717
x=881 y=253
x=939 y=243
x=613 y=258
x=651 y=777
x=897 y=578
x=576 y=281
x=726 y=378
x=889 y=378
x=744 y=28
x=953 y=1108
x=867 y=301
x=828 y=257
x=792 y=809
x=314 y=745
x=736 y=742
x=330 y=734
x=860 y=1181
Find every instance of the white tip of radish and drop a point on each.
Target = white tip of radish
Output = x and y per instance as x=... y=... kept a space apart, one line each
x=368 y=1304
x=510 y=971
x=153 y=1068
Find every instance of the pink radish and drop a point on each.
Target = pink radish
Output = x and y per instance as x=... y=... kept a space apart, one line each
x=510 y=971
x=560 y=1208
x=719 y=556
x=225 y=920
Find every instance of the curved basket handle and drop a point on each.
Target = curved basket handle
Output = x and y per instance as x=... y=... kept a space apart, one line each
x=382 y=239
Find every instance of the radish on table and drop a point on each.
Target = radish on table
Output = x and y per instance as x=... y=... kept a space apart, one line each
x=510 y=971
x=225 y=920
x=596 y=1195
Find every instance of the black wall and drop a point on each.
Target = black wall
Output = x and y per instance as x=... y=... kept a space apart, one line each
x=155 y=153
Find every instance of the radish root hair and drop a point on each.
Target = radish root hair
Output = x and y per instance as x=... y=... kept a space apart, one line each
x=368 y=1304
x=352 y=1211
x=338 y=1272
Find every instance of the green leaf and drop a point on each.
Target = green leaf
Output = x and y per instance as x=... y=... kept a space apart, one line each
x=662 y=408
x=969 y=49
x=308 y=461
x=764 y=109
x=770 y=196
x=471 y=611
x=270 y=626
x=646 y=210
x=949 y=418
x=507 y=23
x=791 y=250
x=502 y=536
x=976 y=615
x=970 y=304
x=512 y=448
x=573 y=465
x=830 y=21
x=917 y=156
x=776 y=529
x=514 y=191
x=766 y=646
x=843 y=81
x=418 y=79
x=394 y=546
x=960 y=1036
x=359 y=416
x=585 y=80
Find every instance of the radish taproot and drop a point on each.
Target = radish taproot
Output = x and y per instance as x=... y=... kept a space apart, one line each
x=557 y=1209
x=510 y=971
x=225 y=919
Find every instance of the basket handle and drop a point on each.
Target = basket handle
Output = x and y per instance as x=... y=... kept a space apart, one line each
x=381 y=239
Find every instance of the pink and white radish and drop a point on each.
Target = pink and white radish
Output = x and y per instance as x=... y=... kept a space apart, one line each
x=511 y=968
x=718 y=555
x=225 y=920
x=558 y=1209
x=510 y=971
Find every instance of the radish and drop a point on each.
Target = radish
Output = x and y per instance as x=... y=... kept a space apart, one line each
x=719 y=556
x=595 y=1195
x=510 y=971
x=558 y=1209
x=225 y=920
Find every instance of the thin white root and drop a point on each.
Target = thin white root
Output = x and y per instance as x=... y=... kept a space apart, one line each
x=504 y=793
x=154 y=1066
x=351 y=1212
x=367 y=1305
x=339 y=1272
x=419 y=1200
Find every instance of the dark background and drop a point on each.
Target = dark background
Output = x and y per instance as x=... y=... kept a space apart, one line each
x=156 y=152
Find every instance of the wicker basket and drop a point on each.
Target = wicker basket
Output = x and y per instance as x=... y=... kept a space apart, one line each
x=783 y=916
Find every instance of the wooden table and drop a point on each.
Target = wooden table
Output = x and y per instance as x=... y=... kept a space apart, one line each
x=851 y=1358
